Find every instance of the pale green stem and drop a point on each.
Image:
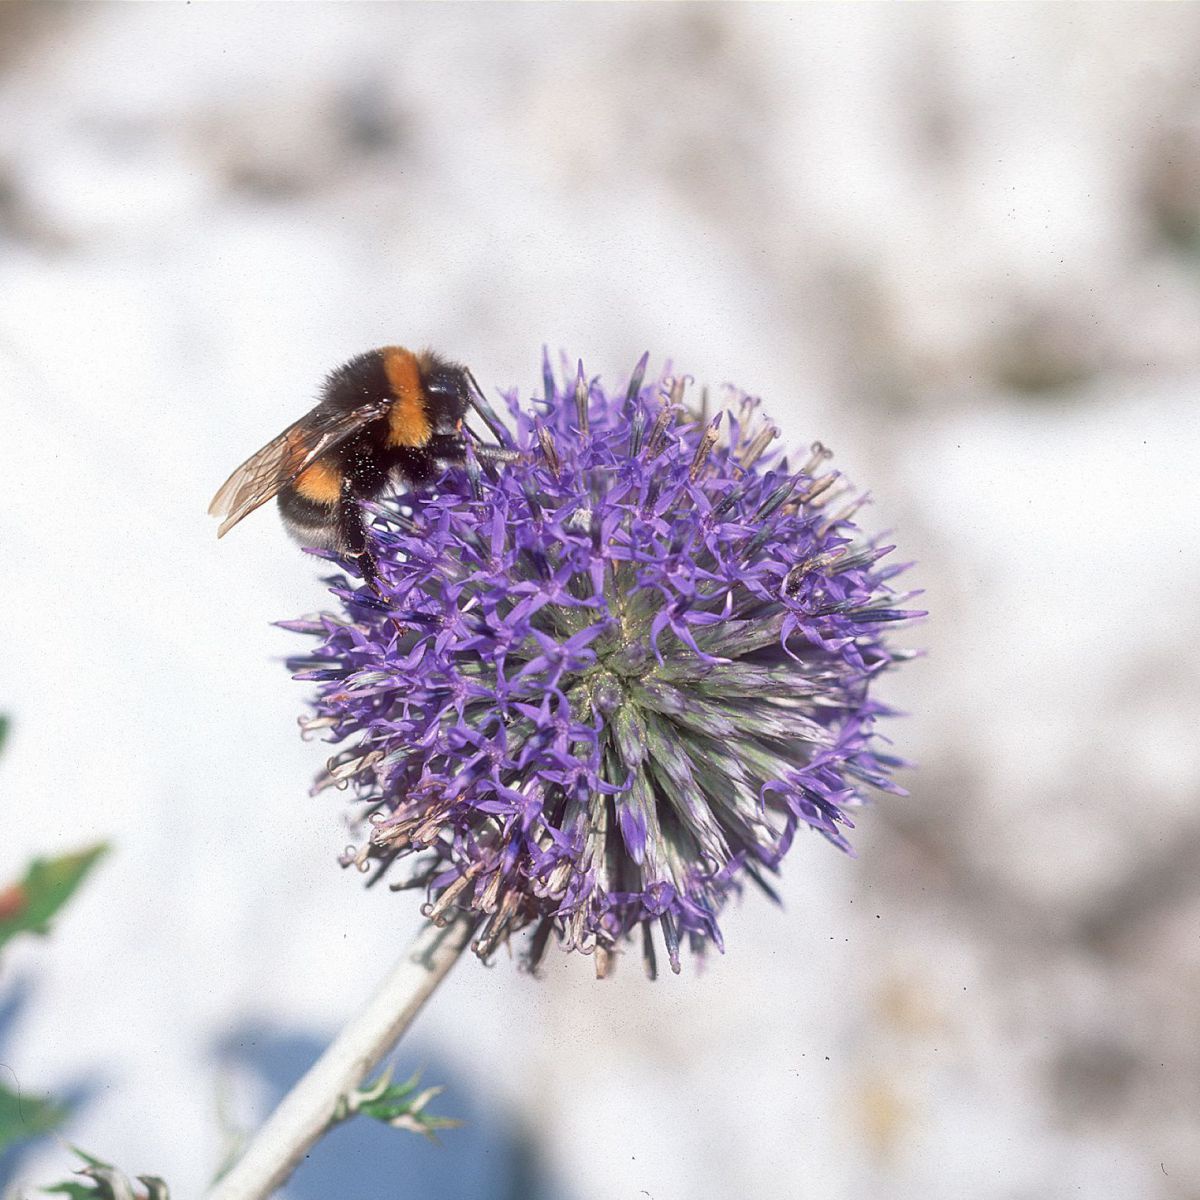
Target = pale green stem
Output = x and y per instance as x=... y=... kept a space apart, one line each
x=308 y=1110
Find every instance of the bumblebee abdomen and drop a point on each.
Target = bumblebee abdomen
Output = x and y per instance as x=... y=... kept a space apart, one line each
x=310 y=522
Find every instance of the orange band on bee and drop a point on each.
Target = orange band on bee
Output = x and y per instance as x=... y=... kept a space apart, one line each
x=320 y=483
x=408 y=420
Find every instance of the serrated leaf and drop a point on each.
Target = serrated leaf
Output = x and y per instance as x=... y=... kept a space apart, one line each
x=29 y=905
x=105 y=1182
x=72 y=1187
x=400 y=1105
x=23 y=1116
x=76 y=1191
x=110 y=1183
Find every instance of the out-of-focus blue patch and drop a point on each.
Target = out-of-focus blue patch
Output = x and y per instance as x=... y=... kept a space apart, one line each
x=491 y=1157
x=13 y=1003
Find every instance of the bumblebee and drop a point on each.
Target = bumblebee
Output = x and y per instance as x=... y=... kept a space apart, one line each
x=386 y=417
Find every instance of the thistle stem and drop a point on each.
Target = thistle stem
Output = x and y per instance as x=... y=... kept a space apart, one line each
x=306 y=1113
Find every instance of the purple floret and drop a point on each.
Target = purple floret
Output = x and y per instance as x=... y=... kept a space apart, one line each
x=611 y=679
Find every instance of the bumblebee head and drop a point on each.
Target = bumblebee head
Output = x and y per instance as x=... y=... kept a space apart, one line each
x=447 y=397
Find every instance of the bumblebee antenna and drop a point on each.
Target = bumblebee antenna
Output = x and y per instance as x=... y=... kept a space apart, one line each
x=486 y=452
x=497 y=454
x=479 y=402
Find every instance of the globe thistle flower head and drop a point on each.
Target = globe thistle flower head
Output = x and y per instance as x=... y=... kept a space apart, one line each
x=605 y=684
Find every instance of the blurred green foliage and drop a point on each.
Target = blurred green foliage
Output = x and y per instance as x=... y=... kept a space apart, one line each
x=29 y=905
x=23 y=1116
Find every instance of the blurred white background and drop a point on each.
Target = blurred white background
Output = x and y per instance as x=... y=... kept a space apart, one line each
x=959 y=245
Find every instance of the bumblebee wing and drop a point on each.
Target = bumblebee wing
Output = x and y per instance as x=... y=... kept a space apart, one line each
x=282 y=459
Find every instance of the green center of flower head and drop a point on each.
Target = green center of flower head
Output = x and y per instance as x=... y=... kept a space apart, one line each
x=612 y=678
x=605 y=688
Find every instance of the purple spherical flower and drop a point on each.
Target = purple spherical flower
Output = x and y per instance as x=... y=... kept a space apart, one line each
x=605 y=683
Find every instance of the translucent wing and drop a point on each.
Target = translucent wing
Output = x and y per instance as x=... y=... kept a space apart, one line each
x=283 y=458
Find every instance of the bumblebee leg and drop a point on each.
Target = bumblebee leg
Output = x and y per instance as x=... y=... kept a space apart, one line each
x=352 y=538
x=354 y=543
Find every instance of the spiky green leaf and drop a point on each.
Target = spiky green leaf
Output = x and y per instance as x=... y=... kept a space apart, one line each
x=103 y=1181
x=72 y=1187
x=400 y=1105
